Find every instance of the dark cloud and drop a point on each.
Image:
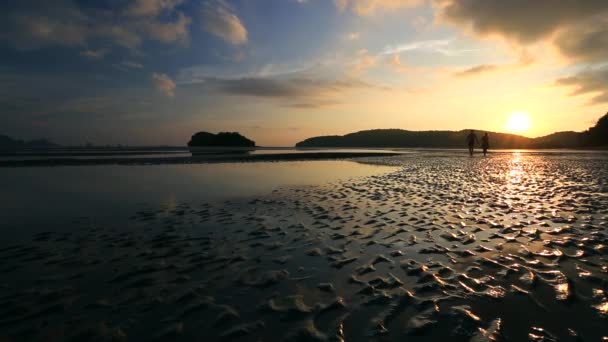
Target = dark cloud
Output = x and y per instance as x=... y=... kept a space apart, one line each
x=578 y=28
x=32 y=25
x=594 y=81
x=523 y=21
x=285 y=87
x=586 y=42
x=294 y=92
x=35 y=24
x=264 y=87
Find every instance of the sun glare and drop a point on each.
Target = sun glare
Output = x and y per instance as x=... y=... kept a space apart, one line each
x=518 y=122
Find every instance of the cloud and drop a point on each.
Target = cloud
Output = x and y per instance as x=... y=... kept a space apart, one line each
x=476 y=70
x=524 y=60
x=95 y=54
x=220 y=20
x=363 y=61
x=164 y=84
x=310 y=69
x=353 y=36
x=418 y=45
x=120 y=35
x=132 y=65
x=518 y=20
x=41 y=24
x=46 y=25
x=176 y=31
x=420 y=23
x=304 y=89
x=285 y=88
x=436 y=45
x=395 y=62
x=151 y=7
x=593 y=81
x=585 y=42
x=341 y=5
x=312 y=104
x=371 y=7
x=127 y=65
x=578 y=29
x=310 y=85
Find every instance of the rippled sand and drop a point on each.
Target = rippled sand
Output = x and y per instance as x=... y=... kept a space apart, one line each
x=504 y=248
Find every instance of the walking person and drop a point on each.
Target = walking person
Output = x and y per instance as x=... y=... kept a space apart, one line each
x=471 y=141
x=485 y=143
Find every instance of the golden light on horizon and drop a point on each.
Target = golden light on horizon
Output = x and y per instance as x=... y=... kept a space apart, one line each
x=518 y=122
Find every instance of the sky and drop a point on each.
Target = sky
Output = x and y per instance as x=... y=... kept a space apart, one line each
x=154 y=72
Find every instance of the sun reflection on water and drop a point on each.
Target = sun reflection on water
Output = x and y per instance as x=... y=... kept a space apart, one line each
x=515 y=173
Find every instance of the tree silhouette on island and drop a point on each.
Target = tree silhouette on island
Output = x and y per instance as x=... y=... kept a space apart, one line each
x=222 y=139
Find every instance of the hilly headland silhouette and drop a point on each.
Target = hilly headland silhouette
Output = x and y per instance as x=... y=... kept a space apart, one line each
x=594 y=137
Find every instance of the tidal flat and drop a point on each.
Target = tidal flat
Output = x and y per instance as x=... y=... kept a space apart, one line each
x=423 y=247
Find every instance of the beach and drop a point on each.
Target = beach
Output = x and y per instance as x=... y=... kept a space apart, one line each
x=424 y=246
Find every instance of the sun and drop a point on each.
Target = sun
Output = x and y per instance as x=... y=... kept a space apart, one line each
x=518 y=122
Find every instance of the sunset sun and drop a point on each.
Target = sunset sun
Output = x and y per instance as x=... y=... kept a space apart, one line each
x=518 y=122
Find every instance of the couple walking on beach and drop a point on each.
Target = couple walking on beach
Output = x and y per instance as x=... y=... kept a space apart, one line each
x=472 y=140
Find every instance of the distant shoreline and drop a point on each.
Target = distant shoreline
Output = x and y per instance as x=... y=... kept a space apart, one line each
x=127 y=159
x=151 y=150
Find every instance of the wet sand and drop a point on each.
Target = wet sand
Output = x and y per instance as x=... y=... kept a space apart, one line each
x=504 y=248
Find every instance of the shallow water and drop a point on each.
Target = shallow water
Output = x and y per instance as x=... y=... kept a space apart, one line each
x=155 y=154
x=506 y=248
x=34 y=197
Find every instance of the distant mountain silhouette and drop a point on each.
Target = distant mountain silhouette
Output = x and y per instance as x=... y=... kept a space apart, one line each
x=7 y=142
x=222 y=139
x=596 y=136
x=558 y=140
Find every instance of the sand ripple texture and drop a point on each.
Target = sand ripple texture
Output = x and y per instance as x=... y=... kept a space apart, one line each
x=504 y=248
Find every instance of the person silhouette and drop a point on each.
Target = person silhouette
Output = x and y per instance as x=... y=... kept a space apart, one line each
x=485 y=143
x=471 y=141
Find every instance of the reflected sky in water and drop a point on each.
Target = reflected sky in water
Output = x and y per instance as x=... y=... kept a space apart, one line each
x=37 y=199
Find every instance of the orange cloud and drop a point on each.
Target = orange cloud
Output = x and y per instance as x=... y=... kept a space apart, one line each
x=370 y=7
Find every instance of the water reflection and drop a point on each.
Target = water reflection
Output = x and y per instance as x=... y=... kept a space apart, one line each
x=32 y=196
x=516 y=170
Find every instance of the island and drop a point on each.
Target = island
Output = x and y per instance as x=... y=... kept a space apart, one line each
x=594 y=137
x=222 y=139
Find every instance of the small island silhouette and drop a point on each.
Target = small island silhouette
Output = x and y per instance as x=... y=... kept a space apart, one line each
x=594 y=137
x=222 y=139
